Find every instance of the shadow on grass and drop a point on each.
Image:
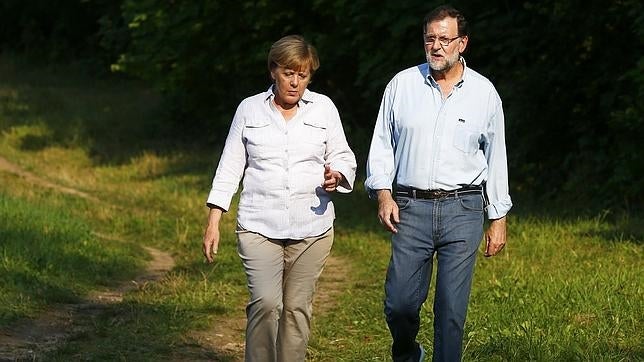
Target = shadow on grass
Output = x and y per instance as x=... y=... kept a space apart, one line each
x=47 y=256
x=112 y=119
x=616 y=225
x=33 y=287
x=141 y=332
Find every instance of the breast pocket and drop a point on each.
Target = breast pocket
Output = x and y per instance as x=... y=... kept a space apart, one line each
x=259 y=138
x=314 y=132
x=466 y=139
x=314 y=136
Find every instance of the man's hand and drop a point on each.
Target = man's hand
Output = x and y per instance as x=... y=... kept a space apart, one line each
x=211 y=236
x=387 y=210
x=331 y=179
x=495 y=237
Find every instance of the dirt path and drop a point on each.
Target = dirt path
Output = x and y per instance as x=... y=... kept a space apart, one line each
x=7 y=166
x=30 y=339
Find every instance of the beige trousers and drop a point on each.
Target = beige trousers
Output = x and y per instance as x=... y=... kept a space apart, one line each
x=281 y=280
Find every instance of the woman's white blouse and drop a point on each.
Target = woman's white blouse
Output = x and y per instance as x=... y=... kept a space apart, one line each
x=282 y=164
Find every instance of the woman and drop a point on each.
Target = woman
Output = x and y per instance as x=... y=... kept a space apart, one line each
x=290 y=148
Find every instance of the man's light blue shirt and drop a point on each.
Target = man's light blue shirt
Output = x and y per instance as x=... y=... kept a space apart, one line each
x=428 y=142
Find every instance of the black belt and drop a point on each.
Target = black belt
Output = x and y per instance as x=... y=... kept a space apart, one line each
x=435 y=194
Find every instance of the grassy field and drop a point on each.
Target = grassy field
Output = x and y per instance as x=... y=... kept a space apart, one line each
x=568 y=286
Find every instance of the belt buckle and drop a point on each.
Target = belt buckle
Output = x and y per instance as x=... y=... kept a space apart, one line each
x=438 y=194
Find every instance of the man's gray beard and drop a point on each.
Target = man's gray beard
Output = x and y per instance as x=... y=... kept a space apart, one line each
x=437 y=68
x=445 y=66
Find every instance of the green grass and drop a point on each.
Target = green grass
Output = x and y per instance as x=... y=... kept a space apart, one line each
x=49 y=256
x=148 y=195
x=567 y=286
x=563 y=289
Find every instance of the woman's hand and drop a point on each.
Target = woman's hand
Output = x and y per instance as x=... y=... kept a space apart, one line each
x=331 y=179
x=211 y=236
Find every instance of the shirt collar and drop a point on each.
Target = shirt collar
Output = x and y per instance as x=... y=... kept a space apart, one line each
x=307 y=97
x=465 y=75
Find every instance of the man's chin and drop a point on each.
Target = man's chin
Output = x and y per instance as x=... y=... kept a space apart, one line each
x=437 y=67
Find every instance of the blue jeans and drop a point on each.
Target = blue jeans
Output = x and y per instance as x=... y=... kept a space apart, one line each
x=451 y=228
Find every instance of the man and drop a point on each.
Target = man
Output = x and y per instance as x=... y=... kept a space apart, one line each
x=439 y=144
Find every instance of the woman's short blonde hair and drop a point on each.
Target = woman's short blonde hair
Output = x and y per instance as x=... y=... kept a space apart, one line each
x=293 y=52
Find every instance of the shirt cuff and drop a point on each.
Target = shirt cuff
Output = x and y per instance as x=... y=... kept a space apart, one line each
x=348 y=177
x=219 y=199
x=498 y=209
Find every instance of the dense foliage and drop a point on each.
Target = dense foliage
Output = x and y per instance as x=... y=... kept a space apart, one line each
x=55 y=31
x=570 y=72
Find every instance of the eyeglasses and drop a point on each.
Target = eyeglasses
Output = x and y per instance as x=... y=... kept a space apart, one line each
x=430 y=40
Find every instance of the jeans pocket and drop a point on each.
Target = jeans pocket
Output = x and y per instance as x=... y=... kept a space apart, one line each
x=402 y=202
x=472 y=202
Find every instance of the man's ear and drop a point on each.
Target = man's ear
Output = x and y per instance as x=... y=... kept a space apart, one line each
x=463 y=45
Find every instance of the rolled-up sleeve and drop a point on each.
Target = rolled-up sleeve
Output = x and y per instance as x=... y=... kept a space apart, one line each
x=380 y=163
x=338 y=153
x=496 y=187
x=231 y=165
